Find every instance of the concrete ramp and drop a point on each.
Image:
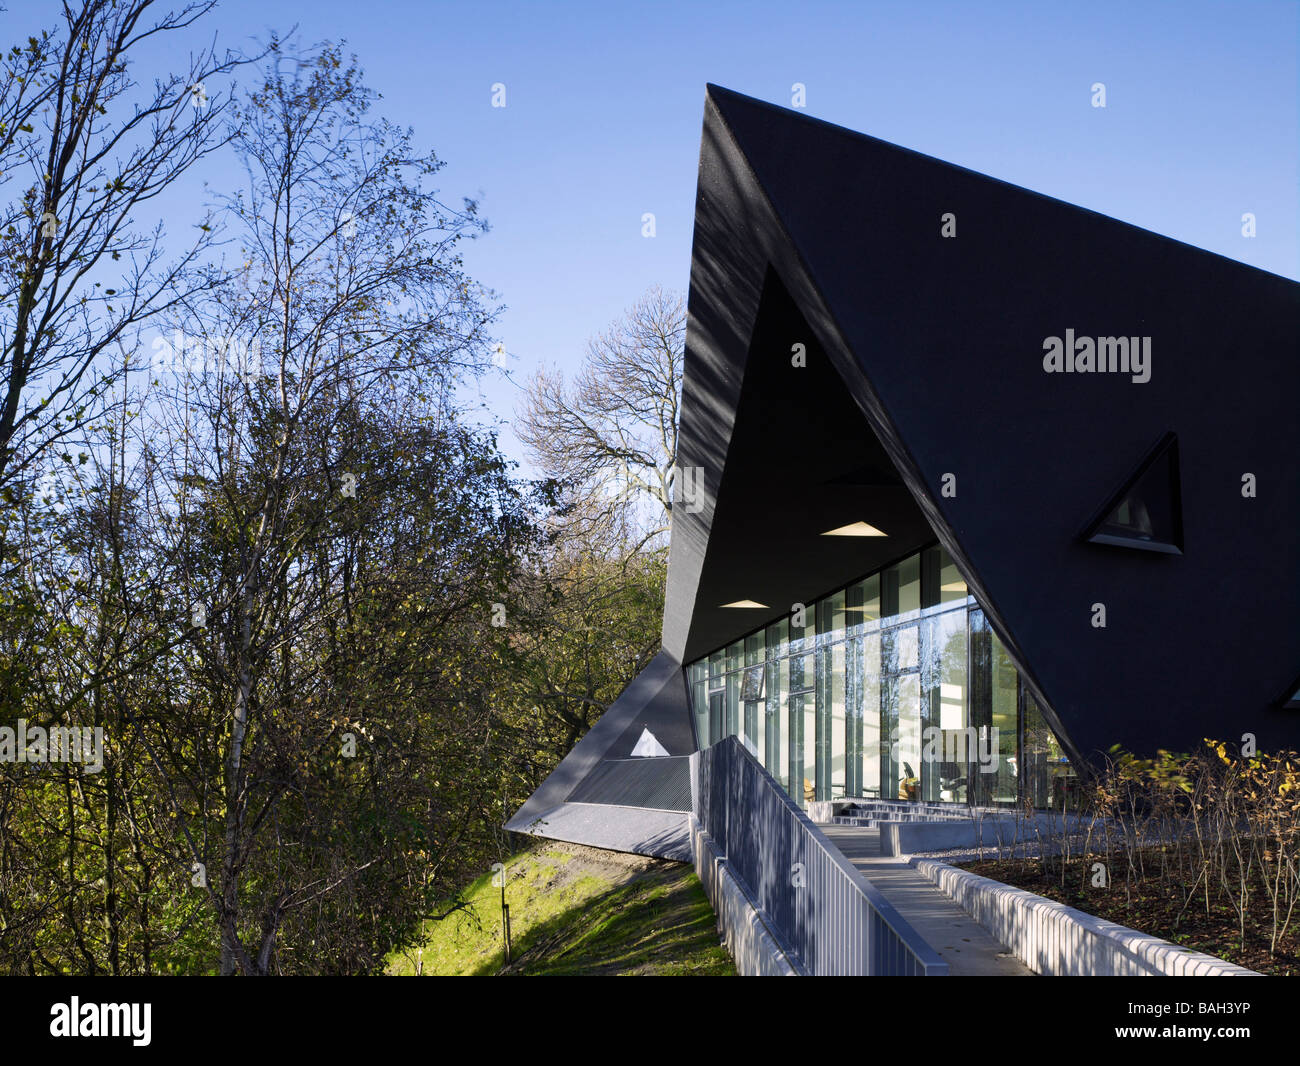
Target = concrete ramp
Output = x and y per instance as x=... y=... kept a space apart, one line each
x=960 y=940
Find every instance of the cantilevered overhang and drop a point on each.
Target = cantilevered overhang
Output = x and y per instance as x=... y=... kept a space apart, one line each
x=802 y=461
x=603 y=796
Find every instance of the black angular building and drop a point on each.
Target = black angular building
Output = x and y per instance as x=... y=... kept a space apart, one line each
x=973 y=484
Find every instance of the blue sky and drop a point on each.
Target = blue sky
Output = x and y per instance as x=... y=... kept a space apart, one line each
x=605 y=102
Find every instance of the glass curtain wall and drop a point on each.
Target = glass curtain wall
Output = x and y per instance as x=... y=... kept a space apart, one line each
x=1048 y=778
x=893 y=688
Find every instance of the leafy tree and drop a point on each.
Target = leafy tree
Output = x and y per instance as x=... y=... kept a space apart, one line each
x=350 y=300
x=588 y=624
x=330 y=639
x=272 y=584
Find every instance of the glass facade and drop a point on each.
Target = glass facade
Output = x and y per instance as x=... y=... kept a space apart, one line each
x=895 y=687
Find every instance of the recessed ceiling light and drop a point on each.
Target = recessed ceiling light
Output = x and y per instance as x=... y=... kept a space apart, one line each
x=855 y=529
x=743 y=603
x=954 y=586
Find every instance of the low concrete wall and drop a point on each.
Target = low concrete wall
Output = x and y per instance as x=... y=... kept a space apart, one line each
x=907 y=838
x=1059 y=941
x=744 y=931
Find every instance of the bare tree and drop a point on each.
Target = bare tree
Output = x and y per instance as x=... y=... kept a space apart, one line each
x=81 y=149
x=611 y=436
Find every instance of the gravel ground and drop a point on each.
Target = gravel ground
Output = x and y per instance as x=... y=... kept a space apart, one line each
x=1025 y=850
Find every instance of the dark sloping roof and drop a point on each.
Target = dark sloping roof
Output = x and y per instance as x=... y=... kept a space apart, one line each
x=939 y=342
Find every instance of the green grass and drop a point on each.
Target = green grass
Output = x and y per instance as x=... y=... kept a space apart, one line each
x=569 y=915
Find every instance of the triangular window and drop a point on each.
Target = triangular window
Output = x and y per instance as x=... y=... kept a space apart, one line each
x=1292 y=702
x=648 y=747
x=1147 y=513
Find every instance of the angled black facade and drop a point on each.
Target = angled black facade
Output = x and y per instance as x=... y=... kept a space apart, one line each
x=1094 y=424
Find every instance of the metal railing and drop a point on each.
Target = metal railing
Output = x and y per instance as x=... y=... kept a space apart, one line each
x=828 y=917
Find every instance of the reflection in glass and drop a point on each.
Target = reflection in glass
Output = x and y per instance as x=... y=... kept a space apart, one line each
x=871 y=711
x=909 y=584
x=778 y=681
x=1049 y=779
x=838 y=721
x=803 y=756
x=821 y=778
x=932 y=709
x=801 y=672
x=831 y=617
x=909 y=650
x=717 y=714
x=778 y=639
x=862 y=601
x=909 y=736
x=853 y=716
x=735 y=655
x=780 y=753
x=1005 y=706
x=952 y=586
x=717 y=698
x=809 y=746
x=949 y=744
x=753 y=726
x=699 y=677
x=803 y=720
x=733 y=704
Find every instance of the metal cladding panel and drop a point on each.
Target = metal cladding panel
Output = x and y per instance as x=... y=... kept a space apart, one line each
x=655 y=700
x=660 y=784
x=661 y=834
